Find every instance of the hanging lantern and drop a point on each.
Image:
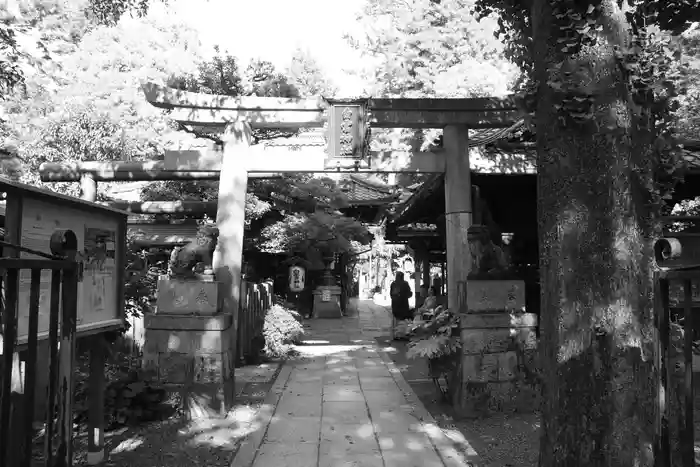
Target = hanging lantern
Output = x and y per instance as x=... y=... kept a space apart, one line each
x=297 y=278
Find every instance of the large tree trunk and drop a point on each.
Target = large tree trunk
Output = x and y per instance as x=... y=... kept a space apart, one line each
x=596 y=232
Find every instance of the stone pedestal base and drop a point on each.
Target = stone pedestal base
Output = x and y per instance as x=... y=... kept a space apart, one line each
x=496 y=336
x=187 y=296
x=327 y=302
x=195 y=353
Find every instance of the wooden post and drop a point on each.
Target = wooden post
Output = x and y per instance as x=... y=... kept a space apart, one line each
x=443 y=281
x=425 y=269
x=88 y=187
x=14 y=397
x=417 y=292
x=458 y=209
x=66 y=358
x=96 y=381
x=230 y=220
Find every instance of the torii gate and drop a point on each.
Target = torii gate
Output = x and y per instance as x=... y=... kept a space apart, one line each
x=235 y=116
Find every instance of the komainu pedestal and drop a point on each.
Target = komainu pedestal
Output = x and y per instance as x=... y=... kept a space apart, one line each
x=495 y=333
x=187 y=296
x=327 y=302
x=189 y=344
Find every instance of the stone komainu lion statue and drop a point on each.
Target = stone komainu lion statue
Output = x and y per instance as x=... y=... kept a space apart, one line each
x=487 y=257
x=196 y=256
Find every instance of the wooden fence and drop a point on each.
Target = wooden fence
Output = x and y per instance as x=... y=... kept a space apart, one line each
x=256 y=299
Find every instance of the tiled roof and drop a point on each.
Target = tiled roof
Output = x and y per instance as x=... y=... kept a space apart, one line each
x=163 y=232
x=418 y=227
x=366 y=188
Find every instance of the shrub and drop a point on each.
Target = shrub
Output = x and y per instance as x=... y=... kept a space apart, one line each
x=282 y=329
x=437 y=337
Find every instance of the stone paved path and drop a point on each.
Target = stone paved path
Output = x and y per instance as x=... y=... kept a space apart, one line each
x=344 y=404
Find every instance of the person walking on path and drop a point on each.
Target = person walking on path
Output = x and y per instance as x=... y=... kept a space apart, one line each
x=400 y=292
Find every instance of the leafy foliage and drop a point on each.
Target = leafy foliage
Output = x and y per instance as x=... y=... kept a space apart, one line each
x=10 y=73
x=320 y=232
x=222 y=76
x=109 y=12
x=427 y=48
x=435 y=338
x=143 y=269
x=33 y=38
x=281 y=331
x=307 y=76
x=91 y=107
x=326 y=231
x=687 y=121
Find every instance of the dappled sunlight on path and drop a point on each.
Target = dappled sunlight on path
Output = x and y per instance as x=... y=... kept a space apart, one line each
x=344 y=403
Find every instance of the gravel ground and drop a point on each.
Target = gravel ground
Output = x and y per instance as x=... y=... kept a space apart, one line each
x=175 y=442
x=500 y=440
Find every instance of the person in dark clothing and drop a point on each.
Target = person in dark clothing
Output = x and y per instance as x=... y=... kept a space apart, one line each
x=400 y=292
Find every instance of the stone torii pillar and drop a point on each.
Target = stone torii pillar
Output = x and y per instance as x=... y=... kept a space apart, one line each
x=458 y=219
x=458 y=213
x=230 y=220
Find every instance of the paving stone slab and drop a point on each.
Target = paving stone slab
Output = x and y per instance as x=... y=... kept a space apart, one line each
x=299 y=406
x=340 y=373
x=340 y=449
x=373 y=371
x=348 y=439
x=363 y=354
x=343 y=379
x=286 y=455
x=305 y=376
x=341 y=367
x=343 y=394
x=390 y=396
x=378 y=383
x=310 y=365
x=350 y=413
x=412 y=459
x=371 y=363
x=293 y=430
x=405 y=442
x=360 y=460
x=396 y=422
x=303 y=389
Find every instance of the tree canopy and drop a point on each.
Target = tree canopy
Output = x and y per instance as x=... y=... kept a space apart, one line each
x=88 y=104
x=427 y=48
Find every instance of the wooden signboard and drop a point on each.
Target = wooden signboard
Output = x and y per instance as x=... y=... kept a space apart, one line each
x=348 y=132
x=101 y=234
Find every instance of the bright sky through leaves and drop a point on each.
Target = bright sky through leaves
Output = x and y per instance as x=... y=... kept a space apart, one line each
x=316 y=26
